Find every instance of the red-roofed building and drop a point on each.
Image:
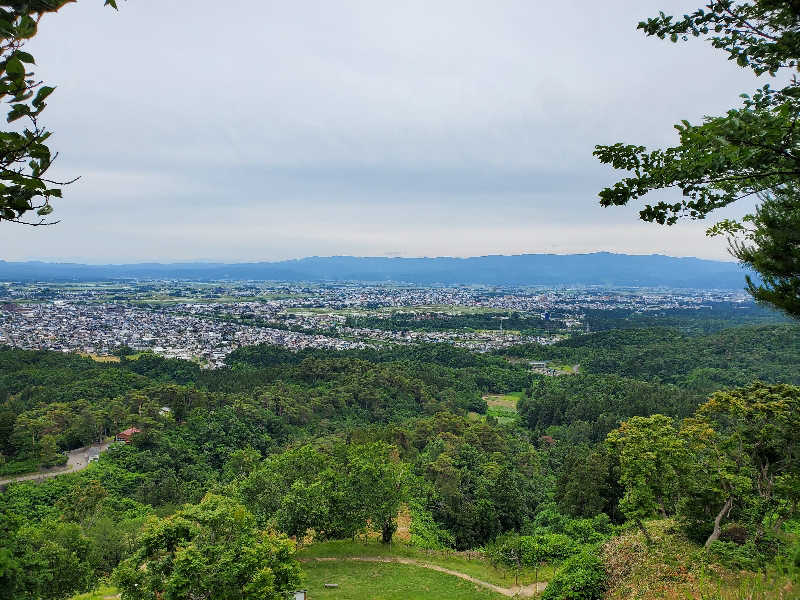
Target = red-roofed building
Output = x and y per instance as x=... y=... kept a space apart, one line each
x=125 y=436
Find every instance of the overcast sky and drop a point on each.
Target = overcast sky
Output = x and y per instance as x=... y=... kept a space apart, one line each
x=244 y=130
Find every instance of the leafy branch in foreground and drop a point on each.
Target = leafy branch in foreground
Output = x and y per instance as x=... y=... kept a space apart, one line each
x=752 y=150
x=25 y=157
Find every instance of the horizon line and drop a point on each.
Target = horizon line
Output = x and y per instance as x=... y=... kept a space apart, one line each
x=200 y=261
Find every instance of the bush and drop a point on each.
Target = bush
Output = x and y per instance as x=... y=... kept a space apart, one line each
x=425 y=532
x=734 y=532
x=548 y=517
x=751 y=556
x=582 y=577
x=555 y=546
x=19 y=466
x=734 y=556
x=530 y=550
x=589 y=531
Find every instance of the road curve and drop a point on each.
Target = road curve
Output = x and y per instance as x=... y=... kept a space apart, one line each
x=77 y=460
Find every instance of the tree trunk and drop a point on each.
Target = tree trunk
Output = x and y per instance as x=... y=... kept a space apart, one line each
x=661 y=510
x=387 y=532
x=720 y=515
x=778 y=524
x=644 y=531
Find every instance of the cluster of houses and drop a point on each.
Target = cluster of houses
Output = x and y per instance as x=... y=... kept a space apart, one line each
x=205 y=323
x=100 y=328
x=541 y=367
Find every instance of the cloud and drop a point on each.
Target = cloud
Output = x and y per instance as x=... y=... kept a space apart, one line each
x=244 y=130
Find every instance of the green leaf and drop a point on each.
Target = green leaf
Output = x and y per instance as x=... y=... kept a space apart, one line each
x=27 y=27
x=25 y=57
x=15 y=68
x=17 y=112
x=42 y=94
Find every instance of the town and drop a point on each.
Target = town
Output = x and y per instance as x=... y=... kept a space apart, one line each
x=204 y=322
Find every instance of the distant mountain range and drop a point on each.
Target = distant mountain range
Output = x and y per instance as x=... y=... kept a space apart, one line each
x=601 y=268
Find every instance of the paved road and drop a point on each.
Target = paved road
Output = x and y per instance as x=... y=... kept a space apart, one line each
x=77 y=460
x=516 y=590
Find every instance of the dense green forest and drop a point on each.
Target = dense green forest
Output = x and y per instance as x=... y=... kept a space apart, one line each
x=708 y=318
x=334 y=444
x=702 y=363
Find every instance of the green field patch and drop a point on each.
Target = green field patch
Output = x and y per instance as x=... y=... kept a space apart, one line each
x=503 y=400
x=473 y=564
x=387 y=581
x=101 y=593
x=502 y=407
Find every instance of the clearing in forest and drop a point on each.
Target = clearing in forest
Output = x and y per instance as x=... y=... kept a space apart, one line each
x=502 y=406
x=469 y=565
x=365 y=580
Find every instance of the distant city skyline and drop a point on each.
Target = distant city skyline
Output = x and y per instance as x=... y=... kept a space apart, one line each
x=245 y=132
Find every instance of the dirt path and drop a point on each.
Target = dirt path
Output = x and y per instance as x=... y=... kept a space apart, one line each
x=516 y=590
x=77 y=460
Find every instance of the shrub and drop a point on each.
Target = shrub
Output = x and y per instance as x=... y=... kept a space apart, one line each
x=589 y=531
x=581 y=577
x=752 y=555
x=555 y=546
x=735 y=556
x=425 y=532
x=548 y=517
x=530 y=550
x=734 y=532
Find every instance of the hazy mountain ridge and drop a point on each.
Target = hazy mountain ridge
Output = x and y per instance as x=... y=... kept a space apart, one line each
x=601 y=268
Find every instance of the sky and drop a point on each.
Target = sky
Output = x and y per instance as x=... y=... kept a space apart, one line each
x=246 y=131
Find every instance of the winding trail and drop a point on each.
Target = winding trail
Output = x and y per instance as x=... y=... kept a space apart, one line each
x=77 y=460
x=521 y=591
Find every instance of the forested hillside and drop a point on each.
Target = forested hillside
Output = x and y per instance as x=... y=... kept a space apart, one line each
x=701 y=363
x=334 y=444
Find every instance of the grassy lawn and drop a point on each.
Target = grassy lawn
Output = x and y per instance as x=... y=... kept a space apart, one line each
x=387 y=581
x=472 y=564
x=101 y=593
